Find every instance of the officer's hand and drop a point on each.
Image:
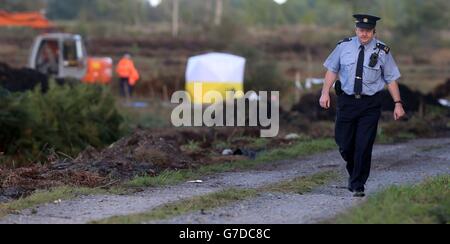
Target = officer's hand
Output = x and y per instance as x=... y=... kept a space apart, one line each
x=325 y=100
x=399 y=112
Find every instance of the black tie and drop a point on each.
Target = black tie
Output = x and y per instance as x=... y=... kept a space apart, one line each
x=359 y=73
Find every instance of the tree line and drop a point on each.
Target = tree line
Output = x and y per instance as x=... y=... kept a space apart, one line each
x=418 y=21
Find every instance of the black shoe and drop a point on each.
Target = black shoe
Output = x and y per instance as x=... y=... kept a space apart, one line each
x=359 y=194
x=350 y=186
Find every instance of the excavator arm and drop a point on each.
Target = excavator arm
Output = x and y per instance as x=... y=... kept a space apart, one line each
x=34 y=20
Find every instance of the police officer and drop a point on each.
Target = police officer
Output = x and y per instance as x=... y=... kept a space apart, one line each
x=364 y=65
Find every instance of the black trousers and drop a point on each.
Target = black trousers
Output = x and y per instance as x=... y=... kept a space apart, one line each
x=355 y=133
x=126 y=90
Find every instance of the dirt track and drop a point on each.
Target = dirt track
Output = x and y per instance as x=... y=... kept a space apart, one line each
x=393 y=164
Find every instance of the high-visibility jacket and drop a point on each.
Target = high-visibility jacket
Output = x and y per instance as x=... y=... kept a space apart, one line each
x=126 y=69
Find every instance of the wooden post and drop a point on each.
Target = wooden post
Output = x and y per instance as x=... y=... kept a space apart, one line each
x=219 y=12
x=309 y=60
x=175 y=18
x=422 y=108
x=165 y=93
x=298 y=86
x=208 y=12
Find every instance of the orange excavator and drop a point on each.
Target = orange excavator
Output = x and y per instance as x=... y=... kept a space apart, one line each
x=60 y=55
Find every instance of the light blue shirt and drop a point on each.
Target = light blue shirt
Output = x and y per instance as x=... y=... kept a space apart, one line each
x=343 y=61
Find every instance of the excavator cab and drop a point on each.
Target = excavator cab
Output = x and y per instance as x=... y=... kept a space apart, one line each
x=59 y=55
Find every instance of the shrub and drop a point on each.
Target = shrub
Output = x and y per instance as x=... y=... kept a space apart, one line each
x=66 y=119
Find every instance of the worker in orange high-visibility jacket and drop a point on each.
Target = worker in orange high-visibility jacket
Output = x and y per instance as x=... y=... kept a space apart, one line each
x=128 y=75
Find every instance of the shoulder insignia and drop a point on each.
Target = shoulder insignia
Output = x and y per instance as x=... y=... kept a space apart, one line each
x=344 y=40
x=383 y=47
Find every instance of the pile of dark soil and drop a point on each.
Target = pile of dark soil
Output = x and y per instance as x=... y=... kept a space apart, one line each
x=145 y=152
x=16 y=183
x=19 y=80
x=443 y=90
x=140 y=154
x=412 y=99
x=309 y=107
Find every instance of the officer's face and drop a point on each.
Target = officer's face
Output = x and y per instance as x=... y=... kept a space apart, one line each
x=365 y=35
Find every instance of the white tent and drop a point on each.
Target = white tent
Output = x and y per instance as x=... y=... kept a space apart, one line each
x=215 y=72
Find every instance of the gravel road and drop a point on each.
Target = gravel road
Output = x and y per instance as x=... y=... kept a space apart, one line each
x=399 y=164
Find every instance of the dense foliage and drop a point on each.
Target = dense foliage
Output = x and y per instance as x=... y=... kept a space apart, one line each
x=65 y=120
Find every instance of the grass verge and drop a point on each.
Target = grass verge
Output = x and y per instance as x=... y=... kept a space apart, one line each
x=49 y=196
x=298 y=185
x=200 y=203
x=427 y=203
x=302 y=185
x=172 y=177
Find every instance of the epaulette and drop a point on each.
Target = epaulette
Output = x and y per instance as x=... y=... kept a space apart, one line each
x=344 y=40
x=383 y=47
